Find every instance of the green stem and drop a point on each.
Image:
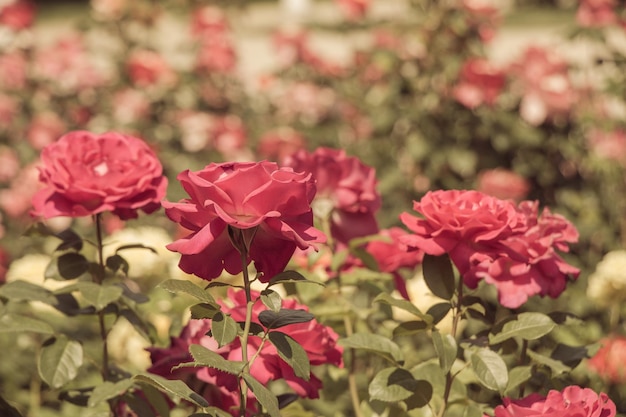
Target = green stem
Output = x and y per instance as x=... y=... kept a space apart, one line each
x=98 y=278
x=522 y=361
x=244 y=338
x=458 y=312
x=354 y=391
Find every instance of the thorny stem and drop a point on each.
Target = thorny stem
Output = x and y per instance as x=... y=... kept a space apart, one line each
x=458 y=307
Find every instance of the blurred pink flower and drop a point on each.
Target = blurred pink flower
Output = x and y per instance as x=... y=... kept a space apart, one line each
x=480 y=82
x=5 y=258
x=543 y=81
x=130 y=106
x=148 y=68
x=17 y=14
x=277 y=144
x=9 y=164
x=608 y=145
x=571 y=401
x=484 y=15
x=223 y=390
x=109 y=9
x=229 y=136
x=16 y=200
x=216 y=54
x=266 y=206
x=610 y=361
x=9 y=108
x=44 y=129
x=508 y=246
x=13 y=71
x=596 y=13
x=353 y=9
x=209 y=21
x=346 y=191
x=503 y=184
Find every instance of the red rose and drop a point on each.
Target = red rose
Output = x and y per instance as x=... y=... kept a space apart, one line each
x=573 y=401
x=610 y=361
x=346 y=190
x=268 y=205
x=508 y=246
x=18 y=15
x=85 y=174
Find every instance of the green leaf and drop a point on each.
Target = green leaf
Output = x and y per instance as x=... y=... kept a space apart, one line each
x=556 y=366
x=284 y=317
x=69 y=240
x=291 y=277
x=392 y=385
x=422 y=395
x=410 y=328
x=26 y=291
x=439 y=275
x=7 y=410
x=205 y=357
x=175 y=387
x=11 y=323
x=138 y=324
x=490 y=369
x=99 y=296
x=72 y=265
x=528 y=326
x=446 y=349
x=177 y=286
x=263 y=395
x=107 y=390
x=404 y=305
x=59 y=361
x=292 y=353
x=272 y=300
x=117 y=263
x=518 y=376
x=439 y=311
x=374 y=343
x=204 y=311
x=224 y=328
x=158 y=400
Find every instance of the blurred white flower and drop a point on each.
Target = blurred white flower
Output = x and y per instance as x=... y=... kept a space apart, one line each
x=143 y=262
x=607 y=285
x=127 y=346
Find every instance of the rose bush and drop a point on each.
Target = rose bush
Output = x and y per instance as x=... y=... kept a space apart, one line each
x=266 y=204
x=86 y=174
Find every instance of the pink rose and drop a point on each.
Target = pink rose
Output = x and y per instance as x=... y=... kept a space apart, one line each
x=573 y=401
x=503 y=184
x=269 y=206
x=216 y=54
x=130 y=106
x=480 y=82
x=608 y=145
x=222 y=389
x=209 y=21
x=13 y=71
x=353 y=9
x=16 y=200
x=9 y=164
x=508 y=246
x=346 y=191
x=147 y=68
x=9 y=108
x=85 y=174
x=484 y=16
x=17 y=15
x=610 y=361
x=280 y=143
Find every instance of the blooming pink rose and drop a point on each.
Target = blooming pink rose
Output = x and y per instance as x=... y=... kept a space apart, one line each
x=479 y=82
x=268 y=205
x=147 y=68
x=544 y=84
x=572 y=401
x=596 y=13
x=610 y=361
x=85 y=174
x=503 y=184
x=508 y=246
x=17 y=15
x=222 y=389
x=346 y=191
